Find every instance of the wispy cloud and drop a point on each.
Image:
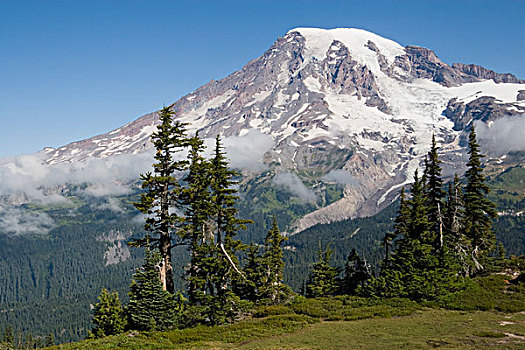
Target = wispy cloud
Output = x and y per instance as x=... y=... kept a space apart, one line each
x=18 y=221
x=502 y=136
x=293 y=183
x=340 y=176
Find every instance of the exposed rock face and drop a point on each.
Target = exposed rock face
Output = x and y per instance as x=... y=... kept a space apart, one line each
x=341 y=99
x=485 y=108
x=484 y=73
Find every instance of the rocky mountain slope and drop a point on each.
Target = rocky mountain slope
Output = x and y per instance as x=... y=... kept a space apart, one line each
x=339 y=106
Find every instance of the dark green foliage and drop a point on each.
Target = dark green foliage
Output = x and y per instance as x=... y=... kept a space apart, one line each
x=9 y=335
x=49 y=340
x=212 y=225
x=322 y=281
x=163 y=192
x=151 y=307
x=479 y=210
x=357 y=273
x=248 y=288
x=434 y=195
x=419 y=268
x=108 y=315
x=223 y=261
x=198 y=229
x=272 y=290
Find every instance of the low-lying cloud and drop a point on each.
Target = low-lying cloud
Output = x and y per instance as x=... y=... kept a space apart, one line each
x=247 y=151
x=29 y=178
x=18 y=221
x=293 y=183
x=102 y=177
x=244 y=152
x=340 y=176
x=502 y=136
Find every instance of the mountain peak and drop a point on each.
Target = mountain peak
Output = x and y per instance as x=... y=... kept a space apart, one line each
x=363 y=45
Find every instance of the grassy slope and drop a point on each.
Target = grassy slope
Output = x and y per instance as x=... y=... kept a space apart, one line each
x=347 y=322
x=423 y=329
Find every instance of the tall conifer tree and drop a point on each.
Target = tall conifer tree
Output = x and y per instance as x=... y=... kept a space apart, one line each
x=163 y=192
x=197 y=229
x=272 y=289
x=435 y=194
x=479 y=210
x=222 y=259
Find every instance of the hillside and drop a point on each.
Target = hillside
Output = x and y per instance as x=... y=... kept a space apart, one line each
x=357 y=323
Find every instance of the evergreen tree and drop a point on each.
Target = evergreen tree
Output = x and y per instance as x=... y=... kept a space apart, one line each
x=357 y=273
x=415 y=269
x=322 y=281
x=108 y=316
x=400 y=224
x=217 y=270
x=9 y=335
x=151 y=307
x=435 y=194
x=49 y=340
x=272 y=290
x=198 y=228
x=479 y=210
x=456 y=241
x=224 y=213
x=249 y=288
x=163 y=193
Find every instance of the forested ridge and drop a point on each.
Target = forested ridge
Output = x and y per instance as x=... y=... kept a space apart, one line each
x=71 y=277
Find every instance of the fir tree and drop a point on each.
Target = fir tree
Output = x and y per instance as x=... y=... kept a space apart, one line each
x=151 y=307
x=357 y=273
x=400 y=224
x=322 y=281
x=198 y=226
x=435 y=194
x=219 y=250
x=479 y=210
x=224 y=198
x=108 y=316
x=163 y=193
x=249 y=287
x=456 y=241
x=272 y=290
x=9 y=335
x=49 y=340
x=414 y=270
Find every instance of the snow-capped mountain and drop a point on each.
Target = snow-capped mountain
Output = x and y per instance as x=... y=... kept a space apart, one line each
x=341 y=105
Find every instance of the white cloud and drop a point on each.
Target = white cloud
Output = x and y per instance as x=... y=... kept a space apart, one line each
x=18 y=221
x=293 y=183
x=502 y=136
x=340 y=176
x=246 y=152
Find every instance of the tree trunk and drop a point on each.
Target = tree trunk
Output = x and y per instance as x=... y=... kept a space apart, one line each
x=166 y=274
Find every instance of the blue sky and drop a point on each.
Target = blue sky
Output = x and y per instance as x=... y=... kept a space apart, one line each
x=73 y=69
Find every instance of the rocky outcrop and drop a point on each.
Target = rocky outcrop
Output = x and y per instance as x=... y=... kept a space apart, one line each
x=485 y=108
x=484 y=73
x=422 y=63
